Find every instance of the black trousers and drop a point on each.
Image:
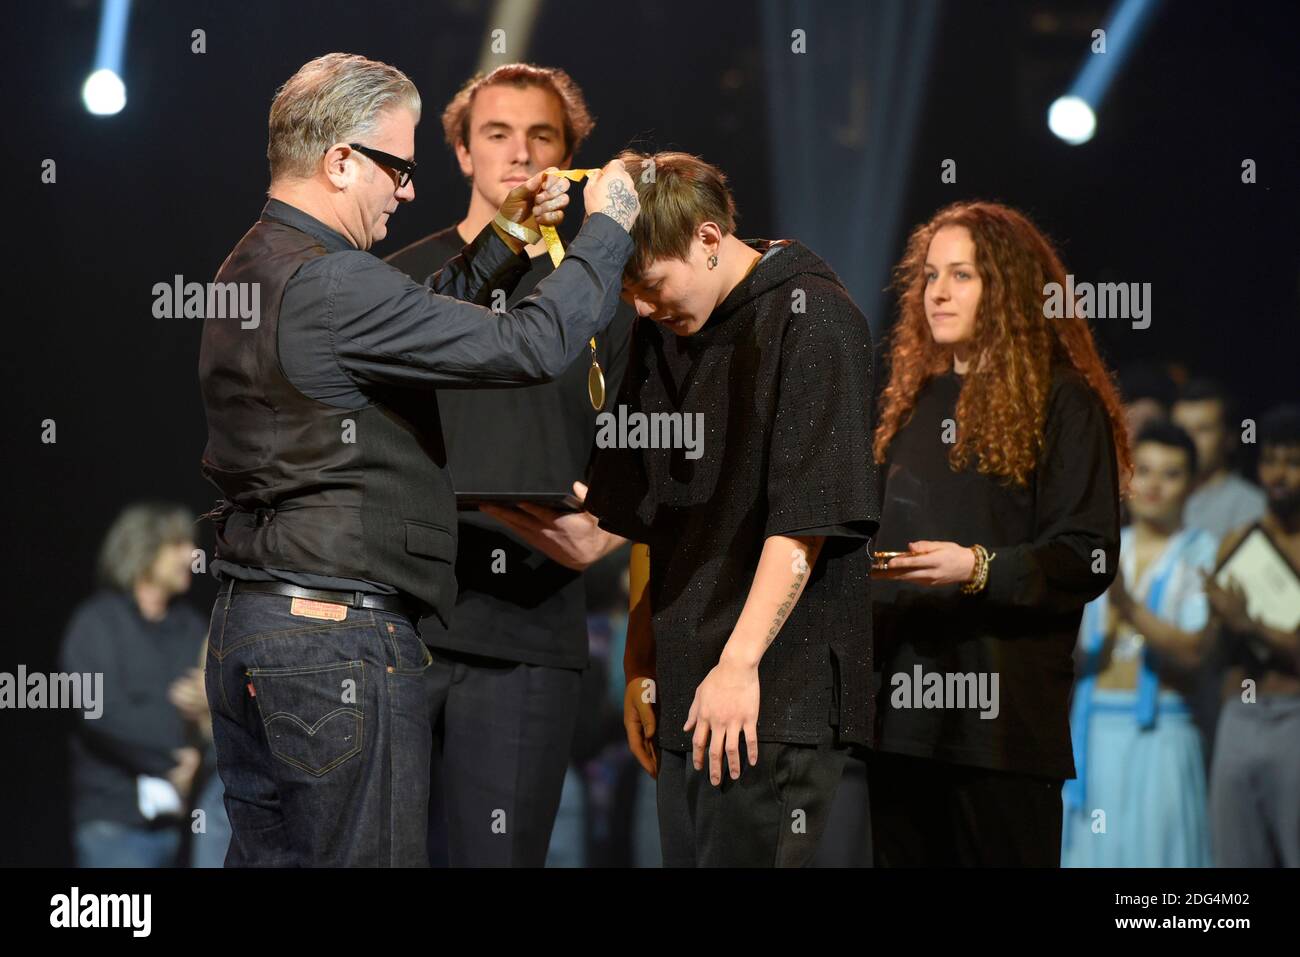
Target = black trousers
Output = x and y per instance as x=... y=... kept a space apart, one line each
x=502 y=735
x=927 y=813
x=773 y=815
x=846 y=842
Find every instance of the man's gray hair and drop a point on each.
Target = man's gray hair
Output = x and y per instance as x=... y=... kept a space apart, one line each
x=132 y=543
x=332 y=99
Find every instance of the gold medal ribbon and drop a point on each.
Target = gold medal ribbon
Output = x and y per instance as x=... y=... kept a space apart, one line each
x=595 y=377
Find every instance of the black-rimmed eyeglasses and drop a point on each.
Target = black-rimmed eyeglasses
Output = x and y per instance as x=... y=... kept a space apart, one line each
x=404 y=169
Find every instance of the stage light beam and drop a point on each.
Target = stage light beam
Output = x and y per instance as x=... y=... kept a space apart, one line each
x=1073 y=117
x=104 y=93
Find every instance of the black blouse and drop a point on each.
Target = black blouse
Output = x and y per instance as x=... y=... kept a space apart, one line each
x=1056 y=542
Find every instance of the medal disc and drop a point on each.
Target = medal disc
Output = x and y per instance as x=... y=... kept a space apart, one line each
x=596 y=386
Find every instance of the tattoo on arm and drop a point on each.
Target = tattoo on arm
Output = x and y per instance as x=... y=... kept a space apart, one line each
x=805 y=556
x=623 y=204
x=784 y=611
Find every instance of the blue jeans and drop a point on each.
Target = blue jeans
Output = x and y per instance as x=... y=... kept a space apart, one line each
x=110 y=844
x=322 y=732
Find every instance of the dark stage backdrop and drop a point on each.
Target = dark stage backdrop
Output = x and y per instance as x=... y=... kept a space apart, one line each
x=169 y=185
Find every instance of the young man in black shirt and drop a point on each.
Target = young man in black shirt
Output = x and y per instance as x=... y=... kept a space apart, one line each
x=752 y=499
x=508 y=663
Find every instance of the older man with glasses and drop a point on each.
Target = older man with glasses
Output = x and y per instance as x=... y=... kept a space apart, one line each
x=336 y=531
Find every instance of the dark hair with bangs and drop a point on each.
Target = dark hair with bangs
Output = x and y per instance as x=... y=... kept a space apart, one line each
x=678 y=193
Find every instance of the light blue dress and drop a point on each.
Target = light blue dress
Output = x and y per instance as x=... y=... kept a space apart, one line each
x=1140 y=796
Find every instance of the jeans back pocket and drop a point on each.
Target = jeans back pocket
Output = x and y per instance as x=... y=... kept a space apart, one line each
x=313 y=715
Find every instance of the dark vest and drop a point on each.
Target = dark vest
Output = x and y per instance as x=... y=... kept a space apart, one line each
x=298 y=495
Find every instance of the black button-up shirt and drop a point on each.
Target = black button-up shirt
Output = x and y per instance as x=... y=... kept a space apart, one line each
x=348 y=320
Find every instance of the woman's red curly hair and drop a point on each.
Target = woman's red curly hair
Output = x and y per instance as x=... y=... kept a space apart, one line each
x=1002 y=407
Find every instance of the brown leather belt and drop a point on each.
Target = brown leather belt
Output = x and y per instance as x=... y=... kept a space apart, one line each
x=353 y=599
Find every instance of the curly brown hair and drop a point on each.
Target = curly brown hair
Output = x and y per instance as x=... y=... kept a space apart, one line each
x=578 y=121
x=1002 y=408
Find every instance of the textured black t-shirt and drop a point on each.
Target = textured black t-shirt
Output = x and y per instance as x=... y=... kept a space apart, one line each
x=531 y=438
x=781 y=374
x=1023 y=626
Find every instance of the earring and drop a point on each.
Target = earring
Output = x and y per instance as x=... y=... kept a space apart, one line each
x=713 y=261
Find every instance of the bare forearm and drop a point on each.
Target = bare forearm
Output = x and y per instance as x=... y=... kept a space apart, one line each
x=782 y=573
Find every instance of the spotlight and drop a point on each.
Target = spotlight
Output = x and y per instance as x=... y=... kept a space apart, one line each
x=104 y=93
x=1072 y=119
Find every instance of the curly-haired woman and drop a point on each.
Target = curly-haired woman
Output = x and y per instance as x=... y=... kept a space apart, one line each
x=1002 y=441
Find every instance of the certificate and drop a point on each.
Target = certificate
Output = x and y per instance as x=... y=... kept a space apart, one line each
x=1270 y=582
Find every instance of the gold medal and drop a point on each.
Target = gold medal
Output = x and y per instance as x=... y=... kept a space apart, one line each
x=595 y=377
x=595 y=382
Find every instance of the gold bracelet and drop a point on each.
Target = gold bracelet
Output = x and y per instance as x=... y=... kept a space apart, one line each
x=968 y=586
x=977 y=574
x=980 y=576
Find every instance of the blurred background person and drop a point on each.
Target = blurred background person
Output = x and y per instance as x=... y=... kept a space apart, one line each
x=1221 y=500
x=1137 y=752
x=209 y=827
x=1147 y=391
x=600 y=806
x=512 y=658
x=132 y=768
x=1255 y=780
